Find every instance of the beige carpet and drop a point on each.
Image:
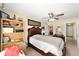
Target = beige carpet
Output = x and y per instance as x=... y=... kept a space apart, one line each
x=31 y=52
x=72 y=49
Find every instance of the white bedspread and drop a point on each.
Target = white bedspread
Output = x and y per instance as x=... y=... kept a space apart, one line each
x=48 y=44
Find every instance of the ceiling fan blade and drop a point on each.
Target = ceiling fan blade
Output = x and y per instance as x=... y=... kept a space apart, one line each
x=2 y=5
x=56 y=18
x=60 y=14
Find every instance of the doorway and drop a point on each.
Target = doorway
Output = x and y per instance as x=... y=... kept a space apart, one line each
x=71 y=42
x=70 y=31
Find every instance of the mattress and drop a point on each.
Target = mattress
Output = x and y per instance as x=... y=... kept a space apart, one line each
x=47 y=44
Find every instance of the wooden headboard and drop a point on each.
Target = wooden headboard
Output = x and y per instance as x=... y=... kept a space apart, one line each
x=33 y=31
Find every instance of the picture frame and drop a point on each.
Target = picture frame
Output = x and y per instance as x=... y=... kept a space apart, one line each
x=33 y=23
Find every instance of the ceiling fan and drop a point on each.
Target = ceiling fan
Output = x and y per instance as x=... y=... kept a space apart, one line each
x=54 y=16
x=2 y=6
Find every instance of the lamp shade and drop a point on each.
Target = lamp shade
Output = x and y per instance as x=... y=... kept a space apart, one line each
x=52 y=19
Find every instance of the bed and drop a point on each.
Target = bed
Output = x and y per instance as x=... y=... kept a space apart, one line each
x=46 y=45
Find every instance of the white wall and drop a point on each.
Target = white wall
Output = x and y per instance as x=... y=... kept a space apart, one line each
x=9 y=11
x=62 y=23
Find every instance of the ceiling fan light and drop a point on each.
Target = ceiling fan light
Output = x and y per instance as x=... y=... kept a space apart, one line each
x=52 y=19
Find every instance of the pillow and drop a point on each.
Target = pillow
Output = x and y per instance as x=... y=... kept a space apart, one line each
x=12 y=51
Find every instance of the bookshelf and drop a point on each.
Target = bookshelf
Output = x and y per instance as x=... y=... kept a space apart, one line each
x=12 y=31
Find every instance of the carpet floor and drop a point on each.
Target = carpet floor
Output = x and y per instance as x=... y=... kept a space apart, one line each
x=72 y=49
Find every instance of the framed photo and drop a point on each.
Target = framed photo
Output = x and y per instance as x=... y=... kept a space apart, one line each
x=33 y=23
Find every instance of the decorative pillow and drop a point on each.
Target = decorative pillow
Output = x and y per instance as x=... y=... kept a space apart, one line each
x=12 y=51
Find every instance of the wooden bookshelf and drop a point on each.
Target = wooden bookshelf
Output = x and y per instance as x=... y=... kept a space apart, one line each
x=15 y=36
x=18 y=30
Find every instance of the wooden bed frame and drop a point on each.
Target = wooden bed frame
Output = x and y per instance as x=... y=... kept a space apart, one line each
x=33 y=31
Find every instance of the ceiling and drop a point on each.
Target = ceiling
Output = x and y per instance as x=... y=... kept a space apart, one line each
x=40 y=10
